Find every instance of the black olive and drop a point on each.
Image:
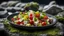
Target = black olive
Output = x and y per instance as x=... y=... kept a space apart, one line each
x=50 y=21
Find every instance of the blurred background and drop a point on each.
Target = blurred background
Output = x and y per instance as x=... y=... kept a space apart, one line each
x=60 y=2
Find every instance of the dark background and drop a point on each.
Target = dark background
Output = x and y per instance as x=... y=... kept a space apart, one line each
x=60 y=2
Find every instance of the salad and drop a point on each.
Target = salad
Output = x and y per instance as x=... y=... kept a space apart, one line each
x=32 y=18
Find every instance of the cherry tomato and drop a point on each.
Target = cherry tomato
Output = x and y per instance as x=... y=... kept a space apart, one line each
x=31 y=14
x=18 y=22
x=31 y=22
x=31 y=17
x=45 y=17
x=43 y=23
x=37 y=15
x=18 y=18
x=22 y=22
x=12 y=19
